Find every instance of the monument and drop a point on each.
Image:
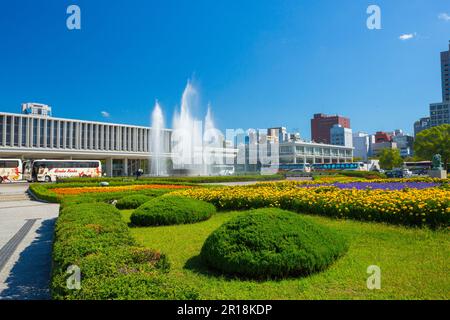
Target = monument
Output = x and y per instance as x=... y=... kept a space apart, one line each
x=437 y=170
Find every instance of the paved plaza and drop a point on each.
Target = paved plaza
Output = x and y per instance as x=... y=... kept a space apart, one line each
x=26 y=235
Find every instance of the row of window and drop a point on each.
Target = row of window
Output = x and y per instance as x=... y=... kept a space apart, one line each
x=315 y=151
x=33 y=132
x=9 y=164
x=440 y=107
x=66 y=164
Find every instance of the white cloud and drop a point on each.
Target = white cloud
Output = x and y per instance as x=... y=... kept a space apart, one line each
x=444 y=16
x=407 y=36
x=105 y=114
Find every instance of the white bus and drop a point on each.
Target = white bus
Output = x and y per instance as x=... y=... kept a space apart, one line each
x=10 y=170
x=222 y=170
x=50 y=170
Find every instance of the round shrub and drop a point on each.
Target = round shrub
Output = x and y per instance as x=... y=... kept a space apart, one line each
x=170 y=210
x=132 y=202
x=272 y=243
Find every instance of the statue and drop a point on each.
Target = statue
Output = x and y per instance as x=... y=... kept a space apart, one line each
x=437 y=162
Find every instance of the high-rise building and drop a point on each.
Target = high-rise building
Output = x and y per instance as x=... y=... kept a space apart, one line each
x=321 y=125
x=341 y=136
x=440 y=112
x=445 y=66
x=421 y=124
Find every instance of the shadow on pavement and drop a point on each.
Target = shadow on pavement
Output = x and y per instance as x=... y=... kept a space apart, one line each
x=30 y=276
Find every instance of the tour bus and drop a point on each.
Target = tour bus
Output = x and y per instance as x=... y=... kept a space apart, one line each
x=419 y=167
x=354 y=166
x=223 y=170
x=10 y=170
x=51 y=170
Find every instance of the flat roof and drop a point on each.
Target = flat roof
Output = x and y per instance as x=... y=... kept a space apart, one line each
x=35 y=116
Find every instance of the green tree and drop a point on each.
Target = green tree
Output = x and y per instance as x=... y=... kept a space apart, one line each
x=435 y=140
x=390 y=158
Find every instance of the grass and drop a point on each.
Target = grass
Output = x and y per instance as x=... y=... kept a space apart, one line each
x=414 y=263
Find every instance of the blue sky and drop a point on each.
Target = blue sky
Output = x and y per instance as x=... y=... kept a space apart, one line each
x=259 y=63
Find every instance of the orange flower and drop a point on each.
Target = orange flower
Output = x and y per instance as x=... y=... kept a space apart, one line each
x=75 y=191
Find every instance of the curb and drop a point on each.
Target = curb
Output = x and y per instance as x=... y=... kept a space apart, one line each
x=32 y=195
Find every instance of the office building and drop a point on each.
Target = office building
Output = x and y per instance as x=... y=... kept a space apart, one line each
x=439 y=114
x=445 y=67
x=382 y=136
x=404 y=143
x=421 y=124
x=378 y=147
x=321 y=125
x=341 y=136
x=294 y=152
x=362 y=145
x=277 y=134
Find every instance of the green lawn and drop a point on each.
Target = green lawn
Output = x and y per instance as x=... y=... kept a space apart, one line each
x=415 y=263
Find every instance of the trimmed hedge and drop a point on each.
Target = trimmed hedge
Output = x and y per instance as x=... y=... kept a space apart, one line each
x=170 y=210
x=132 y=202
x=272 y=243
x=42 y=192
x=370 y=175
x=96 y=239
x=174 y=179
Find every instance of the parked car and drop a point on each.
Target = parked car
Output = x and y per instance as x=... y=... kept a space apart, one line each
x=394 y=173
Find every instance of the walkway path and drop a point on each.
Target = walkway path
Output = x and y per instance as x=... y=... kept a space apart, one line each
x=26 y=235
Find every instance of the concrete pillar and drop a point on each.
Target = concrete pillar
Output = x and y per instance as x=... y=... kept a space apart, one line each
x=29 y=124
x=19 y=144
x=12 y=132
x=52 y=133
x=3 y=142
x=109 y=167
x=38 y=133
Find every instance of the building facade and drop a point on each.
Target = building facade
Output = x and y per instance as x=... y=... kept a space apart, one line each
x=445 y=67
x=378 y=147
x=341 y=136
x=404 y=143
x=362 y=145
x=122 y=148
x=382 y=136
x=294 y=152
x=421 y=124
x=439 y=113
x=277 y=134
x=321 y=125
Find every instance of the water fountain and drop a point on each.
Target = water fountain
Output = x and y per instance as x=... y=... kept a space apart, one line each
x=159 y=163
x=189 y=154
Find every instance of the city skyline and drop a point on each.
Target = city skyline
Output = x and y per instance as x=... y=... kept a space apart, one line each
x=99 y=72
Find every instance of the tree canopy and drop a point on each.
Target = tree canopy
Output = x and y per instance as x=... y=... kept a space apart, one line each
x=435 y=140
x=390 y=158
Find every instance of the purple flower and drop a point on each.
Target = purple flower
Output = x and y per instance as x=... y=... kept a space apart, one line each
x=379 y=185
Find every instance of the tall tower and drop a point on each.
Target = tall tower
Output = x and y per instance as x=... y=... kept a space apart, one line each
x=445 y=67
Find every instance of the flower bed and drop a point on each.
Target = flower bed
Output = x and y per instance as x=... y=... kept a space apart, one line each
x=360 y=185
x=429 y=206
x=75 y=191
